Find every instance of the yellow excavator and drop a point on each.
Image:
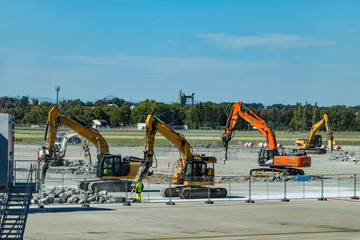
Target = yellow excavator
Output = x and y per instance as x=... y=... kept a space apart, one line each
x=111 y=170
x=312 y=145
x=196 y=171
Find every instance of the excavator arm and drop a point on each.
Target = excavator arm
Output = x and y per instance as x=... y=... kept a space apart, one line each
x=329 y=132
x=314 y=141
x=317 y=126
x=269 y=157
x=54 y=119
x=60 y=148
x=236 y=113
x=153 y=125
x=194 y=173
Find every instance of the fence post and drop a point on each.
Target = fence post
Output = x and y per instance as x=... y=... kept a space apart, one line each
x=322 y=189
x=170 y=202
x=85 y=203
x=41 y=204
x=249 y=200
x=148 y=189
x=209 y=201
x=285 y=199
x=229 y=190
x=338 y=185
x=62 y=180
x=126 y=203
x=190 y=188
x=354 y=197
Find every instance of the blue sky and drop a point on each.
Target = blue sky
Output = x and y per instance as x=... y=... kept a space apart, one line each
x=223 y=51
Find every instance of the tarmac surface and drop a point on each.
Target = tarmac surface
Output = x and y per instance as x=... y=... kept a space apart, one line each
x=305 y=219
x=336 y=218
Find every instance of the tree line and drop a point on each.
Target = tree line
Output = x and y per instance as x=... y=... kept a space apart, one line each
x=207 y=115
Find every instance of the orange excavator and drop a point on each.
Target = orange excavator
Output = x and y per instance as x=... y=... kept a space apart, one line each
x=279 y=164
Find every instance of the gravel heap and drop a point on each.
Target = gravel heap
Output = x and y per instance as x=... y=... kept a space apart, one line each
x=70 y=195
x=346 y=156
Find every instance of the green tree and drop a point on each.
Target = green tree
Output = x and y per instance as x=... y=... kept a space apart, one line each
x=141 y=110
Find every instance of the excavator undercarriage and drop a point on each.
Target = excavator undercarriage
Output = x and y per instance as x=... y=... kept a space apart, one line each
x=110 y=185
x=269 y=172
x=194 y=192
x=311 y=150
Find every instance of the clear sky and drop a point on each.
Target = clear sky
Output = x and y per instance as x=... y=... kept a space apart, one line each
x=222 y=50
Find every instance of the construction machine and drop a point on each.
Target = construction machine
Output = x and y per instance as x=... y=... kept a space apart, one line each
x=111 y=170
x=61 y=146
x=313 y=144
x=196 y=171
x=59 y=149
x=279 y=164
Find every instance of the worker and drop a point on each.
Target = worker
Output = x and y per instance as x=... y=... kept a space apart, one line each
x=107 y=167
x=139 y=187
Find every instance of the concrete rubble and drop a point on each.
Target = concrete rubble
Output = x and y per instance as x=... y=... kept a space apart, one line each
x=346 y=157
x=75 y=167
x=70 y=195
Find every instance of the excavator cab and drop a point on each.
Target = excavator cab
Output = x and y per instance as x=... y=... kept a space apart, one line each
x=195 y=170
x=108 y=165
x=317 y=141
x=114 y=166
x=197 y=173
x=266 y=156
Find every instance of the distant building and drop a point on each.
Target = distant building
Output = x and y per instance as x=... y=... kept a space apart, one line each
x=112 y=105
x=100 y=123
x=178 y=127
x=183 y=99
x=141 y=126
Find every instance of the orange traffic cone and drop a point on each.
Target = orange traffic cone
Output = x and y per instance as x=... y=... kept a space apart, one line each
x=168 y=164
x=177 y=165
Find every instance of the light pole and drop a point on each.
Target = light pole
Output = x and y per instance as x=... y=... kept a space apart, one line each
x=57 y=89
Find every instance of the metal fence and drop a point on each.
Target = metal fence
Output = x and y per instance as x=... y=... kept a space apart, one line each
x=239 y=188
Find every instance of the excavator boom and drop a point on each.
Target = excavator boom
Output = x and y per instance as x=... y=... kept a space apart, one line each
x=54 y=119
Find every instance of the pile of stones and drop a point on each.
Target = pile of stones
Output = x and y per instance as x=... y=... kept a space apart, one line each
x=70 y=195
x=346 y=156
x=77 y=167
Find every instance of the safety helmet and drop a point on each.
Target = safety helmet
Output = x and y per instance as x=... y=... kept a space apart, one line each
x=138 y=179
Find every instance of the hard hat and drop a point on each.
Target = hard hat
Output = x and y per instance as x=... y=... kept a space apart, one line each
x=138 y=179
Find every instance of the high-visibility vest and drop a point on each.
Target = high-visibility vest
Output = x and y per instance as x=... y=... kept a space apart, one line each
x=139 y=187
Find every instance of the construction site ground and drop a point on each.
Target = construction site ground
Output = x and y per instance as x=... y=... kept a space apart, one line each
x=336 y=218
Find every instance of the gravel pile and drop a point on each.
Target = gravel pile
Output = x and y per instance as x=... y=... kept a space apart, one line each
x=346 y=157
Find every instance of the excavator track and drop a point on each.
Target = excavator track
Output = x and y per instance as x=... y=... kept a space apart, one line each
x=107 y=185
x=194 y=192
x=269 y=172
x=312 y=150
x=59 y=162
x=202 y=192
x=173 y=192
